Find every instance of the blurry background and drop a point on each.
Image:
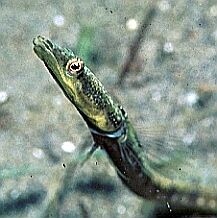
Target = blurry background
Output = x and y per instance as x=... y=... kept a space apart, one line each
x=172 y=76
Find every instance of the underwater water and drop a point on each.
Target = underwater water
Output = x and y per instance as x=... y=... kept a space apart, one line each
x=170 y=81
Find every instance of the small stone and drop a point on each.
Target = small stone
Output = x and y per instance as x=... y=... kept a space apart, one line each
x=59 y=20
x=38 y=153
x=58 y=100
x=191 y=98
x=164 y=6
x=3 y=97
x=168 y=47
x=156 y=96
x=132 y=24
x=213 y=11
x=184 y=199
x=212 y=203
x=68 y=147
x=200 y=201
x=121 y=209
x=14 y=194
x=188 y=139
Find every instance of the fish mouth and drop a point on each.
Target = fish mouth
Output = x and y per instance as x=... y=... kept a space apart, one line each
x=45 y=50
x=43 y=43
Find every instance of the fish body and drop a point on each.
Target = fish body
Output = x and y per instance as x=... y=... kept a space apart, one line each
x=151 y=170
x=107 y=120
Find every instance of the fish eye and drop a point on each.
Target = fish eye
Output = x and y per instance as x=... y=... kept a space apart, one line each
x=75 y=66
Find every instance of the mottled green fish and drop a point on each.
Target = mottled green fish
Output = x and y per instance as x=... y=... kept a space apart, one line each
x=145 y=169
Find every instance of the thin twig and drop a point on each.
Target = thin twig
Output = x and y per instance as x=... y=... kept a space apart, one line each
x=133 y=50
